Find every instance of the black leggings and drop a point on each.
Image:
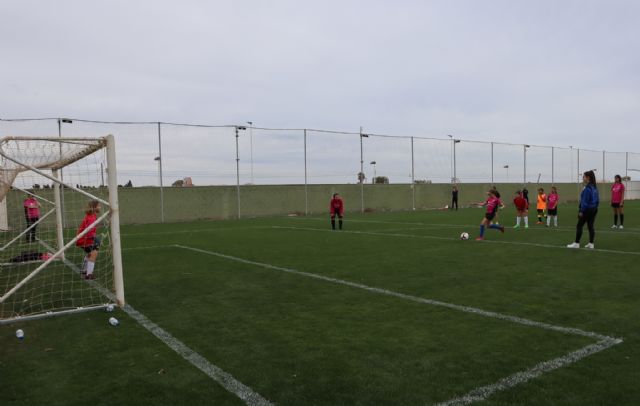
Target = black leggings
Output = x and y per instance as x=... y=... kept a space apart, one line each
x=31 y=234
x=588 y=217
x=454 y=202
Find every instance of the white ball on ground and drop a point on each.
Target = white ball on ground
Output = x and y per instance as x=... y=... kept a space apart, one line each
x=20 y=334
x=113 y=321
x=464 y=236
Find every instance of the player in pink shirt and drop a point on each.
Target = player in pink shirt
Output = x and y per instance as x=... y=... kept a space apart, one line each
x=617 y=202
x=492 y=203
x=552 y=207
x=32 y=215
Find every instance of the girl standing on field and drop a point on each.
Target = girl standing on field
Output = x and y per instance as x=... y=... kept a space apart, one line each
x=617 y=202
x=89 y=242
x=541 y=205
x=492 y=203
x=589 y=201
x=552 y=207
x=522 y=207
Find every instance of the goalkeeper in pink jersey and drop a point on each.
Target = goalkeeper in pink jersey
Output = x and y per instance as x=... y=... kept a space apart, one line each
x=617 y=202
x=492 y=203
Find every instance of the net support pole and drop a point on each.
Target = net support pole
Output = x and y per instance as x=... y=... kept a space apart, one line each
x=114 y=214
x=57 y=198
x=362 y=172
x=306 y=193
x=413 y=178
x=237 y=172
x=160 y=174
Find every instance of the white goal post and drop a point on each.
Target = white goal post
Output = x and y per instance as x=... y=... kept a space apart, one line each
x=49 y=263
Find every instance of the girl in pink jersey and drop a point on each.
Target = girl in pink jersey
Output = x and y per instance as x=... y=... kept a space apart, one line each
x=32 y=215
x=492 y=203
x=552 y=207
x=617 y=202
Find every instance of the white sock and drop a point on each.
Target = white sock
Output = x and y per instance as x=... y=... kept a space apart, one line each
x=84 y=263
x=526 y=221
x=555 y=221
x=518 y=221
x=90 y=265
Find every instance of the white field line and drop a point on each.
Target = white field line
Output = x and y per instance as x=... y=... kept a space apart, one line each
x=214 y=372
x=483 y=392
x=534 y=227
x=433 y=237
x=201 y=230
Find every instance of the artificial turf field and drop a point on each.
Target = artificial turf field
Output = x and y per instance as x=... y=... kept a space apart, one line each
x=283 y=305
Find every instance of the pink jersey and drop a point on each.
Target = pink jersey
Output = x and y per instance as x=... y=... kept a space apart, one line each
x=492 y=204
x=552 y=201
x=617 y=192
x=31 y=206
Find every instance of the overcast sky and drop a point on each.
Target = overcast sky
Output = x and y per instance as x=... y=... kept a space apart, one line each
x=539 y=72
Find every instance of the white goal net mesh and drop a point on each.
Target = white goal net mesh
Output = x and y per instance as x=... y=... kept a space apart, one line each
x=47 y=186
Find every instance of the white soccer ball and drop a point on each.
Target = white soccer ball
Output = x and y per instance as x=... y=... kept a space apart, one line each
x=464 y=236
x=113 y=321
x=109 y=308
x=20 y=334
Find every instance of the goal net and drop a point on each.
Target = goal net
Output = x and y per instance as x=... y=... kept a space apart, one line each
x=59 y=227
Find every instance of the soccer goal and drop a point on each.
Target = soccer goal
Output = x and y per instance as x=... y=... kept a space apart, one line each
x=59 y=227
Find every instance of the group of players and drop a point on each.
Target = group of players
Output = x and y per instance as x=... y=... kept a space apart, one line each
x=546 y=206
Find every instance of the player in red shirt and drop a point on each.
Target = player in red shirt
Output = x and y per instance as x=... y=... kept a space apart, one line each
x=493 y=203
x=522 y=207
x=336 y=208
x=617 y=202
x=89 y=242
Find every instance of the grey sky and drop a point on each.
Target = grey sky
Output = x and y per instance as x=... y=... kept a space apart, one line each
x=544 y=72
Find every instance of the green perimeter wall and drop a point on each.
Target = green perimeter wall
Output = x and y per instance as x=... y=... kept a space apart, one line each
x=142 y=205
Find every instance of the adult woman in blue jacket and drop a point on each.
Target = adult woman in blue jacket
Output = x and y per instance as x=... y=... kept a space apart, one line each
x=589 y=201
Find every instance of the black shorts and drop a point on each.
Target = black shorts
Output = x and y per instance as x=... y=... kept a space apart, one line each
x=336 y=214
x=615 y=205
x=489 y=216
x=552 y=212
x=93 y=247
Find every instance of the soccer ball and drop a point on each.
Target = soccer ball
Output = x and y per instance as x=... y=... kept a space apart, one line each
x=464 y=236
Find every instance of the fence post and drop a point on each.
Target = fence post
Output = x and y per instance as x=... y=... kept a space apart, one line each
x=604 y=178
x=306 y=196
x=160 y=173
x=492 y=163
x=237 y=172
x=552 y=165
x=362 y=172
x=525 y=164
x=413 y=179
x=578 y=165
x=626 y=165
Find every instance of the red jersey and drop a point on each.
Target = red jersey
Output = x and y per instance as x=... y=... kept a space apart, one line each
x=89 y=238
x=336 y=206
x=617 y=192
x=31 y=206
x=521 y=203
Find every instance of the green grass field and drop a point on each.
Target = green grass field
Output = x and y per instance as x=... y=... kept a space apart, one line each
x=282 y=305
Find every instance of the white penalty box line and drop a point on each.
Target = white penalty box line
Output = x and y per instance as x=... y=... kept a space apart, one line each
x=603 y=342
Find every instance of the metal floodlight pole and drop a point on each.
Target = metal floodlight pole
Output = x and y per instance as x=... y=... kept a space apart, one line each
x=306 y=193
x=626 y=165
x=525 y=163
x=552 y=166
x=238 y=168
x=160 y=174
x=362 y=172
x=455 y=175
x=413 y=179
x=492 y=181
x=251 y=147
x=578 y=165
x=604 y=178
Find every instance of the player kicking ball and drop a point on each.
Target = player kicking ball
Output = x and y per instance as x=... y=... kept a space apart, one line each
x=336 y=208
x=492 y=203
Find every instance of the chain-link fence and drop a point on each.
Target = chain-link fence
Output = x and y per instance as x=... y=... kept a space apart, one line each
x=242 y=157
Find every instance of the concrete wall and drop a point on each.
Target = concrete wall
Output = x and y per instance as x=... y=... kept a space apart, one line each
x=142 y=205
